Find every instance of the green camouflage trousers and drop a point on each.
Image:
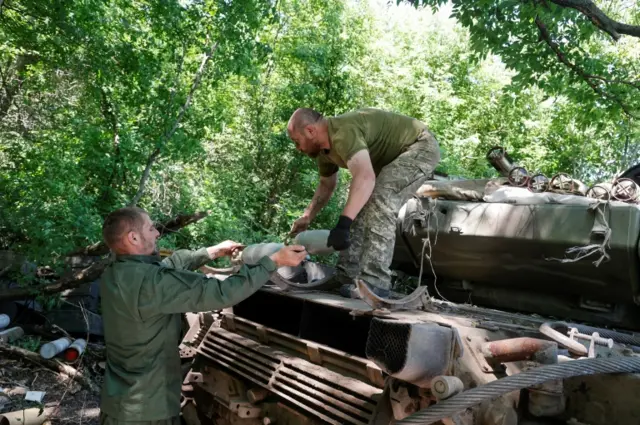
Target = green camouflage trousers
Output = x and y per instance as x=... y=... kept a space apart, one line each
x=373 y=232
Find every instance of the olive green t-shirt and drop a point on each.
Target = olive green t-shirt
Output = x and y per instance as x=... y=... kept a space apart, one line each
x=385 y=134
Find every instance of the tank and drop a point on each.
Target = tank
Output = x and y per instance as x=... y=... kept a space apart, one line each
x=516 y=302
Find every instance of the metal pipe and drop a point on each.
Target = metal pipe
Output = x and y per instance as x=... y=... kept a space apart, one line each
x=11 y=334
x=519 y=349
x=74 y=351
x=4 y=321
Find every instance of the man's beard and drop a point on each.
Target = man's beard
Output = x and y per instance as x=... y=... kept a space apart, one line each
x=151 y=247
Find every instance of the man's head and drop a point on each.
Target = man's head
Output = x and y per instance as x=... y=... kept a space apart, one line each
x=307 y=129
x=130 y=231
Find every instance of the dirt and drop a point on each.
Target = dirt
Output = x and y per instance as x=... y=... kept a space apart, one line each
x=77 y=404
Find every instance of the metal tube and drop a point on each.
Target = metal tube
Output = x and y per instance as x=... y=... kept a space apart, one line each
x=11 y=334
x=518 y=349
x=74 y=351
x=53 y=348
x=4 y=321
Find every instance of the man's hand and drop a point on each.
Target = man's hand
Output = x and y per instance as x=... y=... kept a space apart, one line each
x=300 y=225
x=224 y=249
x=339 y=235
x=291 y=255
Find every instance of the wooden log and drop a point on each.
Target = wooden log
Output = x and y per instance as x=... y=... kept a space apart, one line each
x=19 y=353
x=33 y=416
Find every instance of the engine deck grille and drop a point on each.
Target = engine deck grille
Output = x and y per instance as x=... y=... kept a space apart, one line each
x=334 y=398
x=387 y=344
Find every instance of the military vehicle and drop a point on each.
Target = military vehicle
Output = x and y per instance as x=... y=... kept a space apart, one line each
x=523 y=311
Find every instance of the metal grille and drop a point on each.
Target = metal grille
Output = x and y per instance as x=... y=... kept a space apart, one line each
x=331 y=397
x=387 y=344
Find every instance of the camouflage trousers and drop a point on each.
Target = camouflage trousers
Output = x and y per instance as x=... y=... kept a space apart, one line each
x=373 y=232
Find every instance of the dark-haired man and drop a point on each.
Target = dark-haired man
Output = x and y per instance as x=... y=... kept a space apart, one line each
x=142 y=298
x=389 y=156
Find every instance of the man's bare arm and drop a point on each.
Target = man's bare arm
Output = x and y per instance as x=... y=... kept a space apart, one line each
x=362 y=183
x=321 y=197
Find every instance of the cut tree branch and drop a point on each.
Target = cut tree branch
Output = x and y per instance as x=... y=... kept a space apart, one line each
x=600 y=19
x=172 y=225
x=94 y=271
x=588 y=78
x=74 y=280
x=20 y=353
x=156 y=152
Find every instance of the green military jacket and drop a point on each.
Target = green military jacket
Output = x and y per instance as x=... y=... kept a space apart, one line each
x=142 y=302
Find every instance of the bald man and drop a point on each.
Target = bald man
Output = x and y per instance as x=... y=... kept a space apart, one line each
x=389 y=156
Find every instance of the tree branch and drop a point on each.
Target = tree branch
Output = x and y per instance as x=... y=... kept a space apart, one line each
x=20 y=353
x=172 y=225
x=544 y=33
x=156 y=152
x=74 y=280
x=600 y=19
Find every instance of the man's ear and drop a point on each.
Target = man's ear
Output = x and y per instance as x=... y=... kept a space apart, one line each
x=133 y=238
x=309 y=130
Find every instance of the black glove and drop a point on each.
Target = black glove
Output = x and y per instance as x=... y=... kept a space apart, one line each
x=339 y=235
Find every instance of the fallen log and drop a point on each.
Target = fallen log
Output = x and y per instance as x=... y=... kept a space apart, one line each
x=19 y=353
x=73 y=280
x=169 y=226
x=33 y=416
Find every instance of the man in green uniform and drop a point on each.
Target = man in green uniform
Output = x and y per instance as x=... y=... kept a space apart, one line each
x=389 y=156
x=142 y=302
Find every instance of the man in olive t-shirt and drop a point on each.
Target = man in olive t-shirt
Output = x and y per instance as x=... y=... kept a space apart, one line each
x=389 y=156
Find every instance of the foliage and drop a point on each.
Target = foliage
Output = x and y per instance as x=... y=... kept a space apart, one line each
x=90 y=90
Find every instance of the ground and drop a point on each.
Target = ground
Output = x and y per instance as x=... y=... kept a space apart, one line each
x=77 y=404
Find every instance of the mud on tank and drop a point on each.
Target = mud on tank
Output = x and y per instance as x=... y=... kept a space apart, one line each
x=526 y=314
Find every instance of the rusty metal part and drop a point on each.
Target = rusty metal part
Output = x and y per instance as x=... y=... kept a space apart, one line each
x=414 y=300
x=518 y=176
x=538 y=183
x=500 y=160
x=549 y=329
x=332 y=397
x=500 y=412
x=198 y=326
x=190 y=414
x=520 y=349
x=256 y=395
x=318 y=354
x=402 y=403
x=625 y=190
x=600 y=191
x=562 y=182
